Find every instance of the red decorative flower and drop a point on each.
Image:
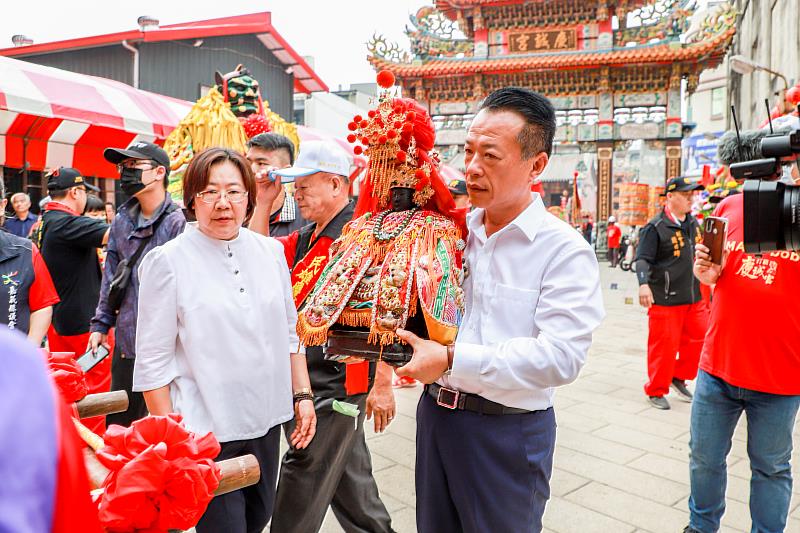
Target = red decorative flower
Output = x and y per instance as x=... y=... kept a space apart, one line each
x=424 y=180
x=358 y=150
x=363 y=124
x=793 y=95
x=358 y=118
x=385 y=79
x=391 y=134
x=371 y=113
x=352 y=126
x=69 y=377
x=351 y=138
x=382 y=139
x=161 y=476
x=254 y=124
x=401 y=156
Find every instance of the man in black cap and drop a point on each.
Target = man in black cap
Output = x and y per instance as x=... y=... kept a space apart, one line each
x=148 y=219
x=671 y=293
x=68 y=242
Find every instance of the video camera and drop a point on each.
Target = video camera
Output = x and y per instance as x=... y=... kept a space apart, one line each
x=771 y=208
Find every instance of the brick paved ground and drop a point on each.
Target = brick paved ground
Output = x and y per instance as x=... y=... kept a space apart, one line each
x=620 y=465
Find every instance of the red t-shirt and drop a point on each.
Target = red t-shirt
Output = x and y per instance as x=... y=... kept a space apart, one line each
x=42 y=292
x=614 y=235
x=753 y=340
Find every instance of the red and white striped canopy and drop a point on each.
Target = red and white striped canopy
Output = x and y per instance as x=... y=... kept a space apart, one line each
x=51 y=117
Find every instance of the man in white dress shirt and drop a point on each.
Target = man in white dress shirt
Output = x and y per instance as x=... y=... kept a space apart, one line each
x=485 y=424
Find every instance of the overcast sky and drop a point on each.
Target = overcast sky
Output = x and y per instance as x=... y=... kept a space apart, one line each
x=334 y=32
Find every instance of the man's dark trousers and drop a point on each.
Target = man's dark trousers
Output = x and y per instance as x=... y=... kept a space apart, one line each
x=336 y=470
x=479 y=473
x=122 y=379
x=246 y=510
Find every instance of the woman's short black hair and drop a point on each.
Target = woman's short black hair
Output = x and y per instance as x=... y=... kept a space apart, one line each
x=272 y=142
x=93 y=203
x=536 y=109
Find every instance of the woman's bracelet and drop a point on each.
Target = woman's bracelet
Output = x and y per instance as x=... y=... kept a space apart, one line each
x=303 y=394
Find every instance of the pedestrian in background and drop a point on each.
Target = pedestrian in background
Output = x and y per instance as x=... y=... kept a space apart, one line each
x=218 y=341
x=587 y=228
x=23 y=220
x=458 y=188
x=27 y=294
x=95 y=208
x=111 y=212
x=671 y=294
x=147 y=220
x=614 y=234
x=69 y=243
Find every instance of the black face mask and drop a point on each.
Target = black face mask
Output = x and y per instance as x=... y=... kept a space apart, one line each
x=131 y=180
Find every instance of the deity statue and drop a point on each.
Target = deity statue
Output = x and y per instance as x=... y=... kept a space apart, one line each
x=398 y=263
x=229 y=114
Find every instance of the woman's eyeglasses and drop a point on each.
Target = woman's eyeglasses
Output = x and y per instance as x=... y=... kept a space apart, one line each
x=212 y=196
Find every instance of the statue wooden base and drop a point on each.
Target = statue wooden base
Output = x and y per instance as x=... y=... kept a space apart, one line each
x=344 y=343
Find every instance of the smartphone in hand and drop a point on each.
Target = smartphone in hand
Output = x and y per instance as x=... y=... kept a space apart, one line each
x=715 y=235
x=88 y=360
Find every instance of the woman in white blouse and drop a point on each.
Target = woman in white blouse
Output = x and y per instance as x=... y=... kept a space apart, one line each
x=216 y=339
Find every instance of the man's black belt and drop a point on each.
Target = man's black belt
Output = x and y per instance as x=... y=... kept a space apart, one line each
x=463 y=401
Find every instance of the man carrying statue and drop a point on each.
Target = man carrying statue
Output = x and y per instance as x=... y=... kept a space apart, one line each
x=485 y=424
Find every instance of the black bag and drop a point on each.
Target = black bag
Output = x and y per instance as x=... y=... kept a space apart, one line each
x=122 y=277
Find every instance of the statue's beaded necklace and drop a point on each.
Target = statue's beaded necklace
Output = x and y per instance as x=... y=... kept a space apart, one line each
x=382 y=235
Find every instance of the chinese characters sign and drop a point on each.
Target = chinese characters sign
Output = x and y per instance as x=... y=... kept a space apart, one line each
x=758 y=268
x=541 y=41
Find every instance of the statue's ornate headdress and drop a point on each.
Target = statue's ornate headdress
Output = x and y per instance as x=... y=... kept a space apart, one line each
x=398 y=137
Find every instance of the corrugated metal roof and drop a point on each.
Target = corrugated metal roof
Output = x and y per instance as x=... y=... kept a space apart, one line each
x=260 y=24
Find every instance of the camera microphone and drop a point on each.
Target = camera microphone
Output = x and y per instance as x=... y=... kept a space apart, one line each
x=746 y=148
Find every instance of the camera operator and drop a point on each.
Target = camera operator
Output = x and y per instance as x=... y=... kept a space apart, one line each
x=749 y=364
x=667 y=289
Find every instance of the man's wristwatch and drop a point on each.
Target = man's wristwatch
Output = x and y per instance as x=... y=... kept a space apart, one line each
x=303 y=394
x=451 y=353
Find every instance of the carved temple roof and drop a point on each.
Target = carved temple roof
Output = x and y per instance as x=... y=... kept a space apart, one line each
x=707 y=51
x=451 y=8
x=706 y=47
